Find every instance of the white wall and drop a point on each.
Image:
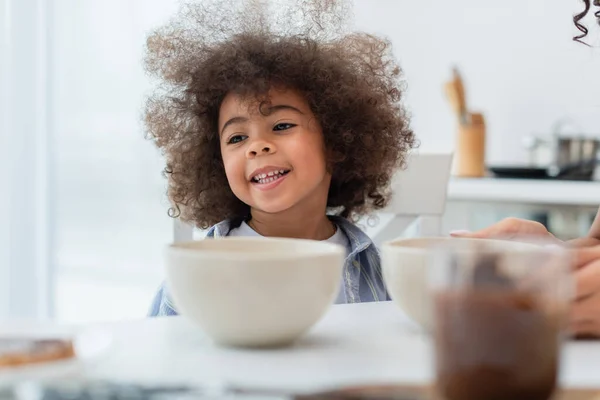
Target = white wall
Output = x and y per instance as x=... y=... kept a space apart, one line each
x=521 y=66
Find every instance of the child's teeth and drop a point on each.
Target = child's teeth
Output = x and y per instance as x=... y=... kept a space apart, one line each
x=269 y=177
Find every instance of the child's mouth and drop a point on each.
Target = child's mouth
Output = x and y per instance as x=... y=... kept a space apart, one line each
x=269 y=180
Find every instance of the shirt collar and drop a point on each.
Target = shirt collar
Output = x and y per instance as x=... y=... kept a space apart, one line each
x=359 y=241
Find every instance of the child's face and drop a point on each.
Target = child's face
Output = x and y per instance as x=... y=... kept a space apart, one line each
x=274 y=159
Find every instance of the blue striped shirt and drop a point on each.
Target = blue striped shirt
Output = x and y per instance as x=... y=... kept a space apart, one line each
x=362 y=279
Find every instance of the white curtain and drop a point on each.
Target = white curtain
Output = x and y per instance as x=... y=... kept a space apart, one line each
x=84 y=218
x=25 y=245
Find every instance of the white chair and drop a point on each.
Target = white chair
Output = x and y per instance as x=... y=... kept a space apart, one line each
x=418 y=201
x=416 y=208
x=182 y=232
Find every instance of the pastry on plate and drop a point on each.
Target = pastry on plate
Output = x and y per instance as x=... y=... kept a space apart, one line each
x=16 y=351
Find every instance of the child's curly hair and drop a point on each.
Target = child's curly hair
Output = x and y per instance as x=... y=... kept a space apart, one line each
x=350 y=80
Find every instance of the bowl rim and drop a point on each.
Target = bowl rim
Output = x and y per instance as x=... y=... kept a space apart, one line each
x=320 y=249
x=392 y=245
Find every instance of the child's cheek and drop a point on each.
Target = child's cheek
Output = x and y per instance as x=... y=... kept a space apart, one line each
x=235 y=173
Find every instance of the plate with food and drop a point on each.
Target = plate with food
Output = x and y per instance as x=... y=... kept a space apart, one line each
x=39 y=353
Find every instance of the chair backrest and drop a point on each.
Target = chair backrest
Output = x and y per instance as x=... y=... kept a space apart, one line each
x=418 y=200
x=182 y=232
x=421 y=188
x=417 y=205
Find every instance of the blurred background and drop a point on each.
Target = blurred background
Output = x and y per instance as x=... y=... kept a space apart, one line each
x=85 y=212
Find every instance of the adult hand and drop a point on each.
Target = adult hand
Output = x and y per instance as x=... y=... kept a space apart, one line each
x=584 y=318
x=585 y=311
x=510 y=228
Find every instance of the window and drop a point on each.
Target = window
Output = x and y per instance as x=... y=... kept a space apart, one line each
x=111 y=220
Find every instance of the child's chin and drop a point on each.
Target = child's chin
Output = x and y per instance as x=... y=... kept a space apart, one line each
x=272 y=208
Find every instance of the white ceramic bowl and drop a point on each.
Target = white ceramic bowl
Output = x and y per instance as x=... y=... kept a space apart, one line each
x=254 y=292
x=405 y=271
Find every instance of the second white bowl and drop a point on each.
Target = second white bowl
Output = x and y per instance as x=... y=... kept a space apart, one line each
x=405 y=264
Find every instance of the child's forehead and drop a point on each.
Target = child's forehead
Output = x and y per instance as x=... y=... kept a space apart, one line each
x=260 y=103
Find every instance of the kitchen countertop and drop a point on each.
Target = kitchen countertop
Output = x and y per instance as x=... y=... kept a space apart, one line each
x=525 y=191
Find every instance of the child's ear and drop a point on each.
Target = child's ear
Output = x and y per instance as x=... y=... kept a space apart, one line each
x=333 y=157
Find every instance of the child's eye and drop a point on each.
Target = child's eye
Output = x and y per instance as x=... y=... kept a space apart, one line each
x=236 y=139
x=283 y=126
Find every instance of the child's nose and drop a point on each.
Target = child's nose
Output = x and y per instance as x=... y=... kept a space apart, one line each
x=260 y=147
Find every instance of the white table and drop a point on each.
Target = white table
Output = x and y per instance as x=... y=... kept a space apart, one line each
x=352 y=344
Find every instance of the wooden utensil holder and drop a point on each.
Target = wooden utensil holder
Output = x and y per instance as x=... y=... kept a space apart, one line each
x=470 y=148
